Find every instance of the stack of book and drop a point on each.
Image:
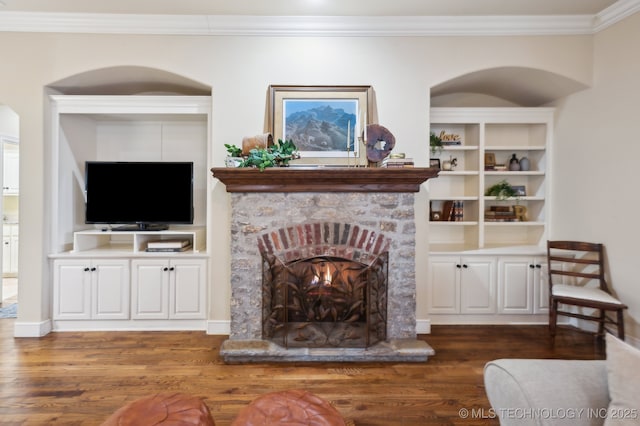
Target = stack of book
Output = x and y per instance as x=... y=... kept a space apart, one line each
x=397 y=162
x=168 y=245
x=500 y=214
x=458 y=211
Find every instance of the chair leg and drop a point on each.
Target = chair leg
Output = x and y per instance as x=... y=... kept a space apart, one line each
x=553 y=316
x=620 y=324
x=601 y=323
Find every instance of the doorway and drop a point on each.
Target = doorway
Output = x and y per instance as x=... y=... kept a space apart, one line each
x=9 y=205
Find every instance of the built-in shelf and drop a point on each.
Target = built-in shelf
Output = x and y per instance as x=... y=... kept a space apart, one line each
x=133 y=242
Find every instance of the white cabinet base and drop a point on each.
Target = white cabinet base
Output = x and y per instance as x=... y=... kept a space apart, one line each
x=128 y=325
x=495 y=319
x=488 y=287
x=155 y=293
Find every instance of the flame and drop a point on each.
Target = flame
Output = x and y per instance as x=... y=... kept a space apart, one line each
x=322 y=275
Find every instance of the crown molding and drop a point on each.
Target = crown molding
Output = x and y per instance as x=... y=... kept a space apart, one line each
x=615 y=13
x=323 y=26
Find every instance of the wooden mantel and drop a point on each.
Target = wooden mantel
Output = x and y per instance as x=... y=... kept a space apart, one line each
x=324 y=179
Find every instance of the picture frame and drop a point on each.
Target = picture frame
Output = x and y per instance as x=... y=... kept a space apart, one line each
x=326 y=123
x=489 y=160
x=521 y=190
x=434 y=162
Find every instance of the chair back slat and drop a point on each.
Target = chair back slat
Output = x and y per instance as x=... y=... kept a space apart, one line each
x=576 y=259
x=591 y=276
x=576 y=246
x=581 y=260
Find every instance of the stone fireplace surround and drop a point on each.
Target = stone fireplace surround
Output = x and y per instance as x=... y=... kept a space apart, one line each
x=380 y=201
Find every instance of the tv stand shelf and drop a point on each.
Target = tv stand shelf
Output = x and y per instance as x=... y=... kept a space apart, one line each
x=135 y=242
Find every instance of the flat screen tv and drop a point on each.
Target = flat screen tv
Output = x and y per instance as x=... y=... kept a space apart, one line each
x=139 y=195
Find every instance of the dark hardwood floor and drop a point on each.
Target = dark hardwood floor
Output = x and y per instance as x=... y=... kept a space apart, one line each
x=81 y=378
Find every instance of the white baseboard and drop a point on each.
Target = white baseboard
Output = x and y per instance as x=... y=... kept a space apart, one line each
x=32 y=329
x=219 y=327
x=423 y=326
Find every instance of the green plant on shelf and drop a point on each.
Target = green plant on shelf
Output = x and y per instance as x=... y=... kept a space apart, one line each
x=502 y=190
x=233 y=150
x=277 y=155
x=435 y=143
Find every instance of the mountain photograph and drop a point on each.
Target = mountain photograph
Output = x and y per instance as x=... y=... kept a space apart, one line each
x=320 y=127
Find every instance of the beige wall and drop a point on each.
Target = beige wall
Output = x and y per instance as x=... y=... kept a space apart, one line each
x=239 y=70
x=596 y=162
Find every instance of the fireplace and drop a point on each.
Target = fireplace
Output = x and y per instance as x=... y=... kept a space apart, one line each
x=325 y=287
x=323 y=265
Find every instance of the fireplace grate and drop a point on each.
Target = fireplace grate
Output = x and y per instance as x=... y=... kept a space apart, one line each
x=324 y=301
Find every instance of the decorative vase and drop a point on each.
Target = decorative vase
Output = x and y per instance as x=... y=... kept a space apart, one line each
x=514 y=164
x=524 y=164
x=233 y=161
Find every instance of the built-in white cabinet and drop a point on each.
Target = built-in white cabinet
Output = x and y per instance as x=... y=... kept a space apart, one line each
x=122 y=289
x=105 y=279
x=486 y=251
x=86 y=289
x=10 y=242
x=462 y=285
x=168 y=288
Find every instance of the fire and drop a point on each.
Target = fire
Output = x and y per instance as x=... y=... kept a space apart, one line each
x=322 y=277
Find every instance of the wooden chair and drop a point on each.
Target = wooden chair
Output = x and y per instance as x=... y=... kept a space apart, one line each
x=576 y=277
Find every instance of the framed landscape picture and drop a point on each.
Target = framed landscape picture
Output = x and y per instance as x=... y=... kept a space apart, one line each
x=324 y=122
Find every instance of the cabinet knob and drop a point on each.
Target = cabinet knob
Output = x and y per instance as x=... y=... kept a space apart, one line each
x=172 y=268
x=465 y=266
x=531 y=266
x=87 y=269
x=539 y=266
x=458 y=266
x=165 y=269
x=93 y=269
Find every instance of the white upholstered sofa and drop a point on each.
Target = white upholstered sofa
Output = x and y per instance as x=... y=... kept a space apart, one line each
x=567 y=392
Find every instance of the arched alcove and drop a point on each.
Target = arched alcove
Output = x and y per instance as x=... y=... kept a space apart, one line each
x=128 y=115
x=504 y=86
x=129 y=80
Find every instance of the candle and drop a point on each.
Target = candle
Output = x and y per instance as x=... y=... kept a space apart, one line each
x=364 y=128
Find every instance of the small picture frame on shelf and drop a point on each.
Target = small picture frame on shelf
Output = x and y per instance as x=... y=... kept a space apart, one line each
x=436 y=215
x=435 y=163
x=489 y=161
x=520 y=190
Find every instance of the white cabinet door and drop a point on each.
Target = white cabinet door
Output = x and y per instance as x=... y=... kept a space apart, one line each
x=110 y=289
x=13 y=263
x=478 y=285
x=10 y=179
x=169 y=289
x=187 y=289
x=91 y=289
x=462 y=285
x=444 y=285
x=515 y=285
x=522 y=285
x=6 y=254
x=150 y=289
x=10 y=249
x=541 y=286
x=71 y=289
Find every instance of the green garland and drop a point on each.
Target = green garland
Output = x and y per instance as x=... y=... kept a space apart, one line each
x=277 y=155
